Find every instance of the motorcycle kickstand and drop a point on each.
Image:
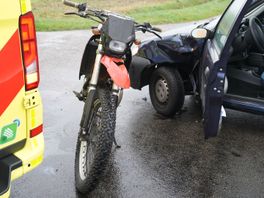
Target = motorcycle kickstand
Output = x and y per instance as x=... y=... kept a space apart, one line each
x=117 y=145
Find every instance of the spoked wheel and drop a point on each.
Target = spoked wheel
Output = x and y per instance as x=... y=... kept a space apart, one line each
x=88 y=143
x=166 y=91
x=94 y=145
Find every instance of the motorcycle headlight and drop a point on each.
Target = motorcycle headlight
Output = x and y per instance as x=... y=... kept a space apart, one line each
x=117 y=46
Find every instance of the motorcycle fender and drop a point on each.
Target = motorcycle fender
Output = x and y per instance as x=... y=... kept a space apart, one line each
x=88 y=58
x=118 y=73
x=140 y=72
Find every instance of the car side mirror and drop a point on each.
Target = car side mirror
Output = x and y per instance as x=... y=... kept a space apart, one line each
x=201 y=33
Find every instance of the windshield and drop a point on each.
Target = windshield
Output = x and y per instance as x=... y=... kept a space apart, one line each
x=226 y=24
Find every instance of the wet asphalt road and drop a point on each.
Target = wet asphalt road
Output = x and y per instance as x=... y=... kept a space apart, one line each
x=159 y=157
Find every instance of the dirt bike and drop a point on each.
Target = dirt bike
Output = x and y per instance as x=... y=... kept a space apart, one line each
x=105 y=65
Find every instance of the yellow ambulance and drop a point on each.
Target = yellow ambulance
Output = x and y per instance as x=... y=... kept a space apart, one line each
x=21 y=124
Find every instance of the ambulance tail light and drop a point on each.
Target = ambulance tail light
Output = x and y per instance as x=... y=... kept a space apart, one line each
x=29 y=50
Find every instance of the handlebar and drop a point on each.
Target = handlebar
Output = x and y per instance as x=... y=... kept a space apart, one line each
x=156 y=29
x=71 y=3
x=86 y=12
x=147 y=27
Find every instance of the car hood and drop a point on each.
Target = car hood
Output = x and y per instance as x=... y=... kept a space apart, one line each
x=176 y=46
x=186 y=29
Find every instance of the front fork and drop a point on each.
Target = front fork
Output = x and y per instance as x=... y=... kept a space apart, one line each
x=116 y=92
x=96 y=72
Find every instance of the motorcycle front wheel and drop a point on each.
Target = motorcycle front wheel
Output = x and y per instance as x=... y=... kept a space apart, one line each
x=94 y=145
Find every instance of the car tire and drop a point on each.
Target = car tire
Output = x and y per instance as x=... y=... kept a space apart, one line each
x=166 y=91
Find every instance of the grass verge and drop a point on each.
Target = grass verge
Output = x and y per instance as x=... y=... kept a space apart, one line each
x=49 y=13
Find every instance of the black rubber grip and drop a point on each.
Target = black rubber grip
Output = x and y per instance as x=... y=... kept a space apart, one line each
x=70 y=3
x=156 y=29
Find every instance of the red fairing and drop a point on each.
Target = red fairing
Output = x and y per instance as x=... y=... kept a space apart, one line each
x=118 y=73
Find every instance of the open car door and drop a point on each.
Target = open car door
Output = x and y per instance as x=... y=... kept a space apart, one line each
x=213 y=65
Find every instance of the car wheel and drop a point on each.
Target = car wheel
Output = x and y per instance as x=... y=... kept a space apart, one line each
x=166 y=91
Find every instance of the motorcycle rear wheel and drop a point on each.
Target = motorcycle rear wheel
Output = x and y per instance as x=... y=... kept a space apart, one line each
x=94 y=146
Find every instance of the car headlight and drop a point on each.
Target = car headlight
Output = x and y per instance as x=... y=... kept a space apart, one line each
x=117 y=46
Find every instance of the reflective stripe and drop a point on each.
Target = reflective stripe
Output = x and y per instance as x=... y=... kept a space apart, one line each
x=11 y=72
x=15 y=110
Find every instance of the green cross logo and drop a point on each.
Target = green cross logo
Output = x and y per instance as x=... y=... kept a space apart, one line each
x=8 y=132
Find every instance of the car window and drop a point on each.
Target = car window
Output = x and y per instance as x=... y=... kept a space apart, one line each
x=226 y=24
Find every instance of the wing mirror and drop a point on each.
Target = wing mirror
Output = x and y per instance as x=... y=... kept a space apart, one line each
x=201 y=33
